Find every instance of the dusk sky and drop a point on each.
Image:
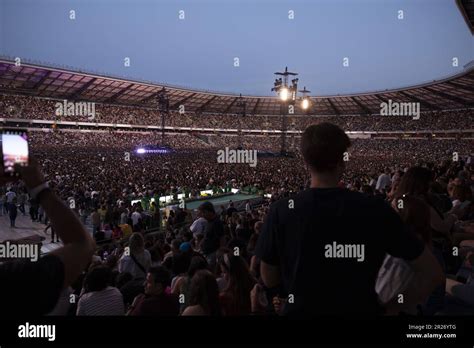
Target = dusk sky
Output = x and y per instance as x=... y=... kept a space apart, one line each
x=198 y=51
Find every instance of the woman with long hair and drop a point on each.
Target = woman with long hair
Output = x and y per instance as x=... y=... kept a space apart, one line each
x=235 y=298
x=203 y=295
x=416 y=182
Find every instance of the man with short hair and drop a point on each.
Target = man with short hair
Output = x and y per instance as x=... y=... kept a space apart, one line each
x=156 y=301
x=325 y=245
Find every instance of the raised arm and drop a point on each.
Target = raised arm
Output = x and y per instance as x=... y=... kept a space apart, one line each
x=78 y=244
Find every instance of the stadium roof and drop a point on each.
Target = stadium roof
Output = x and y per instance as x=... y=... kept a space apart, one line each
x=467 y=10
x=454 y=92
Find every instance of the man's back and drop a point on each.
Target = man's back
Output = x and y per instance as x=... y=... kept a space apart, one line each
x=213 y=232
x=329 y=245
x=108 y=301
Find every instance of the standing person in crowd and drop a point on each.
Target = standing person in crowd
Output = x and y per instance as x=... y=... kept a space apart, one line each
x=124 y=216
x=53 y=234
x=248 y=207
x=383 y=182
x=302 y=234
x=213 y=234
x=34 y=209
x=136 y=219
x=12 y=212
x=22 y=197
x=199 y=225
x=10 y=196
x=3 y=208
x=96 y=222
x=231 y=209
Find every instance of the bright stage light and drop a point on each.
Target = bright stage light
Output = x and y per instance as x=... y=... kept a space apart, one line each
x=141 y=150
x=305 y=103
x=284 y=94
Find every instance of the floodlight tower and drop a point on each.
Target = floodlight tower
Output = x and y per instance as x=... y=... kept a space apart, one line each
x=164 y=109
x=243 y=105
x=287 y=96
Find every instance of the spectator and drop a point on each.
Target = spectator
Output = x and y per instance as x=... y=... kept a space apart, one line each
x=213 y=234
x=12 y=212
x=96 y=222
x=235 y=298
x=156 y=301
x=296 y=258
x=99 y=298
x=137 y=260
x=204 y=295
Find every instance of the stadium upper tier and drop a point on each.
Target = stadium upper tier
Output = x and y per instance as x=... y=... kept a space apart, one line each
x=16 y=108
x=455 y=92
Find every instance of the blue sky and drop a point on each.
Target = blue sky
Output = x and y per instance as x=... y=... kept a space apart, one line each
x=384 y=52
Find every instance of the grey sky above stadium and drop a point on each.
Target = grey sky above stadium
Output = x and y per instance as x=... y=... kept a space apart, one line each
x=198 y=51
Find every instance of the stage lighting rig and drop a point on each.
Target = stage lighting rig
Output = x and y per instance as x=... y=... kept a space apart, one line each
x=305 y=100
x=284 y=91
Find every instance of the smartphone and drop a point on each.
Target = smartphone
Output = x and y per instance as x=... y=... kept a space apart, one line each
x=14 y=150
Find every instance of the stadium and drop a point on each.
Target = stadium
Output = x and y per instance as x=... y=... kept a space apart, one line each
x=186 y=201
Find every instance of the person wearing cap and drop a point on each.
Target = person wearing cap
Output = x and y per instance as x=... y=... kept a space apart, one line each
x=185 y=247
x=213 y=233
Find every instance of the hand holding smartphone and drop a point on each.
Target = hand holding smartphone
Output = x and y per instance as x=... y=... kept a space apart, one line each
x=15 y=151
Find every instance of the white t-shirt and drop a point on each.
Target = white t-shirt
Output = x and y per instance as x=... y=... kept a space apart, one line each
x=136 y=216
x=198 y=226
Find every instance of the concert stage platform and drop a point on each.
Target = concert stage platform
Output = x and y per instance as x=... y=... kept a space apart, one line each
x=27 y=231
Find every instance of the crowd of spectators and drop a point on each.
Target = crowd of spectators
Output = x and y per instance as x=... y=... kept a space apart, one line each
x=208 y=264
x=153 y=260
x=24 y=107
